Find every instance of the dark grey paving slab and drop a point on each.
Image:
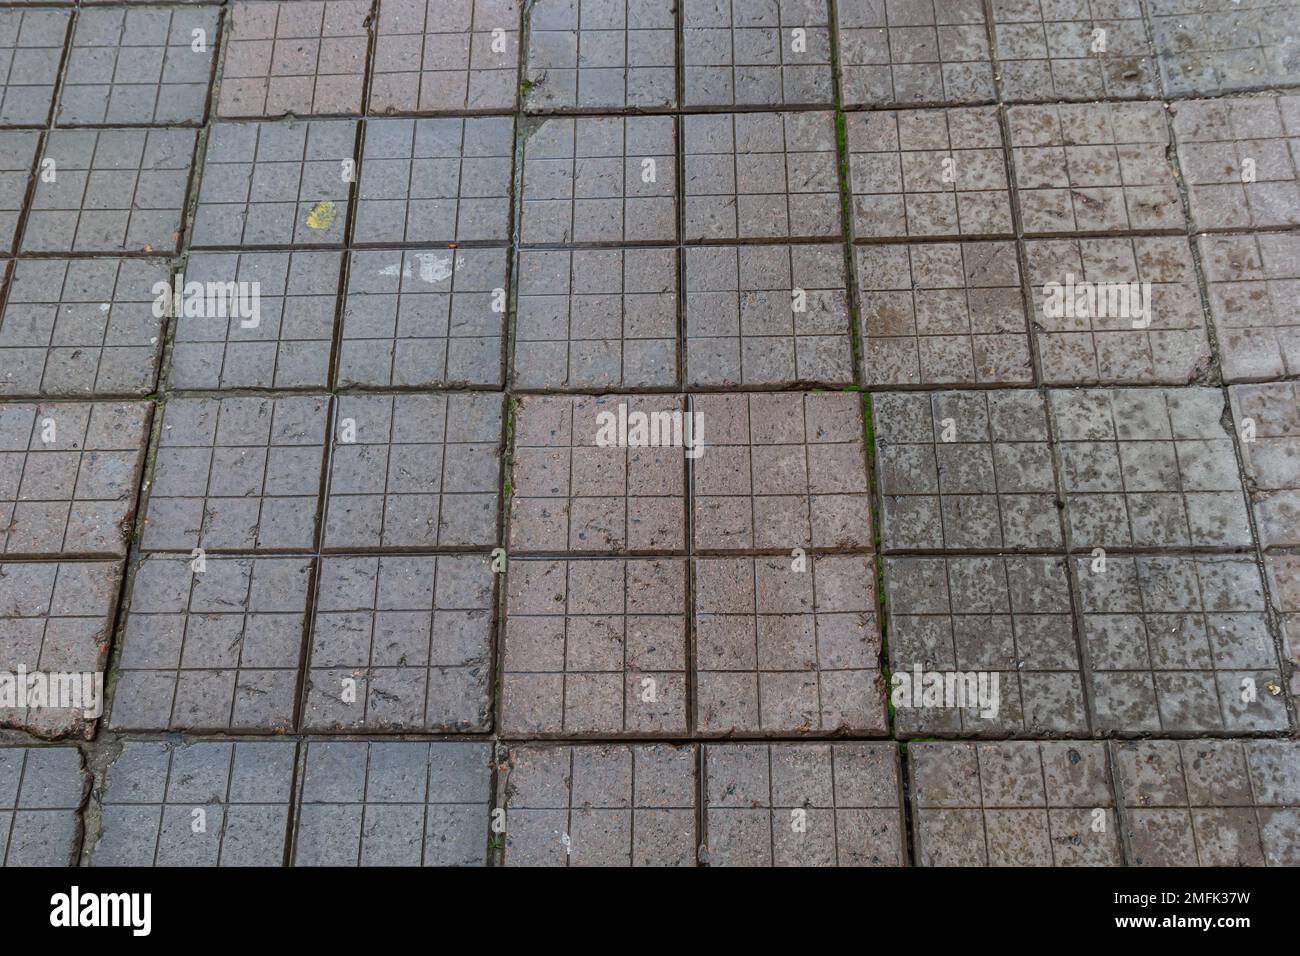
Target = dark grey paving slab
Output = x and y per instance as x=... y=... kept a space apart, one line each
x=595 y=647
x=1284 y=584
x=599 y=805
x=393 y=804
x=1214 y=46
x=1253 y=283
x=804 y=805
x=401 y=643
x=194 y=803
x=31 y=48
x=215 y=650
x=1268 y=421
x=41 y=792
x=17 y=156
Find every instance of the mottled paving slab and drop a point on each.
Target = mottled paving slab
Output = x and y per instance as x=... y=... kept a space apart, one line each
x=937 y=172
x=196 y=803
x=1214 y=46
x=401 y=644
x=421 y=471
x=393 y=804
x=69 y=473
x=1148 y=468
x=1179 y=644
x=596 y=318
x=31 y=48
x=942 y=314
x=787 y=646
x=17 y=156
x=595 y=647
x=1253 y=283
x=1013 y=804
x=1210 y=802
x=216 y=649
x=767 y=315
x=1094 y=167
x=427 y=319
x=599 y=805
x=82 y=328
x=1268 y=422
x=41 y=792
x=1284 y=585
x=966 y=471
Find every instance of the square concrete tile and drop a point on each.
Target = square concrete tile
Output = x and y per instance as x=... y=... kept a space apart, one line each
x=596 y=318
x=17 y=156
x=80 y=328
x=196 y=803
x=41 y=793
x=943 y=313
x=1014 y=804
x=415 y=471
x=938 y=172
x=619 y=670
x=31 y=48
x=1214 y=46
x=401 y=644
x=1268 y=424
x=599 y=805
x=213 y=644
x=393 y=804
x=1253 y=283
x=69 y=473
x=1284 y=584
x=767 y=315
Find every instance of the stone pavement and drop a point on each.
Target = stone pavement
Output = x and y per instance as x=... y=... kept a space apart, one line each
x=649 y=432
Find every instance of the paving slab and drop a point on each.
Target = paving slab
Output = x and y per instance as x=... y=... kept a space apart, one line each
x=1215 y=46
x=31 y=49
x=1268 y=422
x=1253 y=284
x=599 y=805
x=1284 y=585
x=41 y=793
x=17 y=156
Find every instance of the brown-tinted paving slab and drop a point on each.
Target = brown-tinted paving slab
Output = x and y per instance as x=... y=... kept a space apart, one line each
x=1268 y=421
x=963 y=471
x=937 y=172
x=17 y=156
x=1284 y=585
x=1094 y=167
x=401 y=643
x=787 y=646
x=41 y=793
x=1209 y=802
x=56 y=620
x=31 y=48
x=595 y=647
x=804 y=805
x=445 y=56
x=1214 y=46
x=1253 y=284
x=599 y=805
x=212 y=644
x=1003 y=625
x=1179 y=644
x=942 y=313
x=1126 y=311
x=767 y=315
x=69 y=473
x=1025 y=803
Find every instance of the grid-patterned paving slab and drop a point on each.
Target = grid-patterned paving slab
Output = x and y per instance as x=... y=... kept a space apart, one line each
x=1253 y=283
x=599 y=805
x=41 y=792
x=1268 y=421
x=1284 y=584
x=31 y=48
x=17 y=155
x=1214 y=46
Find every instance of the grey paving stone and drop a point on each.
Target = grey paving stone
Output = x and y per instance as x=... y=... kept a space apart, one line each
x=68 y=477
x=56 y=618
x=423 y=471
x=17 y=156
x=401 y=643
x=286 y=343
x=430 y=319
x=787 y=646
x=82 y=328
x=31 y=48
x=942 y=314
x=1268 y=421
x=1237 y=157
x=1213 y=46
x=596 y=318
x=1028 y=803
x=601 y=54
x=1094 y=167
x=572 y=493
x=1253 y=283
x=393 y=804
x=275 y=184
x=1008 y=617
x=761 y=176
x=435 y=180
x=906 y=52
x=599 y=805
x=196 y=803
x=1210 y=802
x=1284 y=583
x=111 y=190
x=300 y=57
x=620 y=669
x=149 y=65
x=41 y=792
x=1179 y=644
x=1126 y=311
x=966 y=471
x=445 y=55
x=213 y=650
x=767 y=315
x=937 y=172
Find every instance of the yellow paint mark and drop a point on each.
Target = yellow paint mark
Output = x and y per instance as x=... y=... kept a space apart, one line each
x=321 y=216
